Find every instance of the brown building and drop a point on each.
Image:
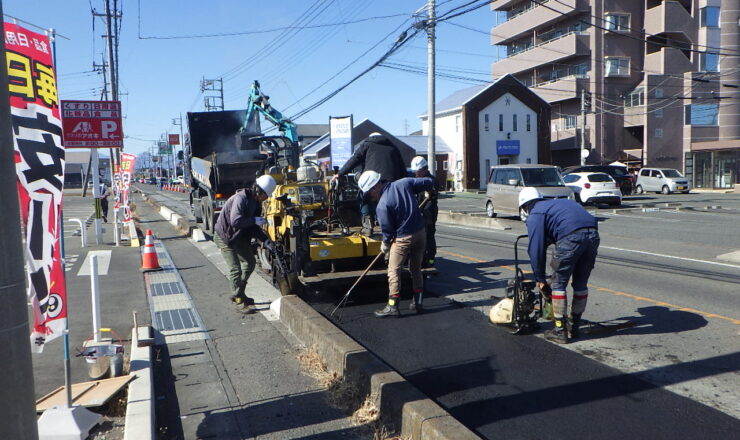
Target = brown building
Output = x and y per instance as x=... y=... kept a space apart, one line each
x=656 y=87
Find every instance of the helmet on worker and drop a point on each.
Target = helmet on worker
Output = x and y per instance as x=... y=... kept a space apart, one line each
x=418 y=163
x=527 y=195
x=368 y=180
x=266 y=184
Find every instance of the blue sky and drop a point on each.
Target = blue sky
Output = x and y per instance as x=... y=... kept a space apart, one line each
x=160 y=78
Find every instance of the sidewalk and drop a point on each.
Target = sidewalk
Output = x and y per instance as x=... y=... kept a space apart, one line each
x=121 y=292
x=240 y=378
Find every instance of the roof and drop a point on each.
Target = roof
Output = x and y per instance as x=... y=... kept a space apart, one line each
x=419 y=143
x=312 y=130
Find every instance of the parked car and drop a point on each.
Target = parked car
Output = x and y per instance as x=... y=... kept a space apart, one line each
x=624 y=180
x=665 y=180
x=594 y=188
x=152 y=181
x=179 y=180
x=506 y=181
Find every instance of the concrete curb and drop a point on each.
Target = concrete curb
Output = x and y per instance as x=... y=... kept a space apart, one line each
x=140 y=405
x=463 y=219
x=401 y=404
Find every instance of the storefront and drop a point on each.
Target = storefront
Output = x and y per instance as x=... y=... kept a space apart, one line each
x=713 y=165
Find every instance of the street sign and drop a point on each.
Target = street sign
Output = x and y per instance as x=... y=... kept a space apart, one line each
x=164 y=148
x=92 y=124
x=174 y=139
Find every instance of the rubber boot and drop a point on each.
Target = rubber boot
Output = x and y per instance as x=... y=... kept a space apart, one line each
x=367 y=226
x=390 y=309
x=575 y=323
x=547 y=312
x=559 y=334
x=416 y=305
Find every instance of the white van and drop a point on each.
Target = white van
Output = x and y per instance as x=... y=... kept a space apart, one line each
x=665 y=180
x=506 y=181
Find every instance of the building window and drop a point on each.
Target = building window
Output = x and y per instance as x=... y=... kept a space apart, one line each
x=513 y=122
x=618 y=22
x=500 y=122
x=569 y=121
x=457 y=123
x=445 y=165
x=485 y=120
x=617 y=66
x=710 y=16
x=635 y=98
x=459 y=165
x=658 y=132
x=709 y=62
x=529 y=122
x=702 y=114
x=659 y=113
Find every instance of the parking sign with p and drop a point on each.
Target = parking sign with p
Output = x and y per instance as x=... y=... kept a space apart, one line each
x=92 y=124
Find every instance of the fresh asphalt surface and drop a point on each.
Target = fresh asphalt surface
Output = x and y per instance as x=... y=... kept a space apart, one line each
x=673 y=374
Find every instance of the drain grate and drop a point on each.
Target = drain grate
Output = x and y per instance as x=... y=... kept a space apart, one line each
x=177 y=319
x=159 y=289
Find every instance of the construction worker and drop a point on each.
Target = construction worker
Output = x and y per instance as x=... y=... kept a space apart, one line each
x=237 y=224
x=376 y=153
x=420 y=167
x=575 y=234
x=404 y=235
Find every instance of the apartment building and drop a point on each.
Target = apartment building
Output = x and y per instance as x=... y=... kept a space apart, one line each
x=650 y=74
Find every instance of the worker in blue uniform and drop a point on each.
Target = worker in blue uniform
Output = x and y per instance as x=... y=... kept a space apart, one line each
x=575 y=234
x=404 y=234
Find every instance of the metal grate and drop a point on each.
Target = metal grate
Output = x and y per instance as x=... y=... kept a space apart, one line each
x=177 y=319
x=159 y=289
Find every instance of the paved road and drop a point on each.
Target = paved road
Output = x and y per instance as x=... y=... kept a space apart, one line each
x=673 y=375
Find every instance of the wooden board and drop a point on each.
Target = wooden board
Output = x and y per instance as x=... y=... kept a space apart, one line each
x=87 y=394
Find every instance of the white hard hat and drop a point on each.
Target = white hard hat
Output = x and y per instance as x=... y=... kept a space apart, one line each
x=368 y=180
x=418 y=163
x=502 y=312
x=527 y=195
x=267 y=184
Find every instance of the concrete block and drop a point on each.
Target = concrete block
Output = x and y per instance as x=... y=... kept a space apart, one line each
x=165 y=212
x=140 y=406
x=456 y=218
x=174 y=219
x=198 y=235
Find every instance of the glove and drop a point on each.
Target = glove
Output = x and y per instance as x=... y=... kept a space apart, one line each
x=385 y=247
x=259 y=221
x=268 y=244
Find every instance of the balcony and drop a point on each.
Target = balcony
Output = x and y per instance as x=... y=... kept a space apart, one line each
x=536 y=17
x=672 y=18
x=667 y=61
x=561 y=89
x=568 y=45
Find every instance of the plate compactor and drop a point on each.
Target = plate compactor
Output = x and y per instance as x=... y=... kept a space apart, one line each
x=523 y=304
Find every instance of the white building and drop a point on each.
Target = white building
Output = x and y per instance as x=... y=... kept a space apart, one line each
x=499 y=123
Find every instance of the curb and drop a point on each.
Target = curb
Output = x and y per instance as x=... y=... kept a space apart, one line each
x=463 y=219
x=140 y=419
x=401 y=404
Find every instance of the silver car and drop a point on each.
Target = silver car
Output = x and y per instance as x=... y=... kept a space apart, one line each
x=665 y=180
x=506 y=181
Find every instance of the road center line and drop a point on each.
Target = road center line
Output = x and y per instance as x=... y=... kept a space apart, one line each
x=671 y=256
x=613 y=292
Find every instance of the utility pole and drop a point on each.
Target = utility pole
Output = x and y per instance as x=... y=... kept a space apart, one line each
x=115 y=157
x=17 y=401
x=186 y=162
x=431 y=71
x=213 y=102
x=583 y=127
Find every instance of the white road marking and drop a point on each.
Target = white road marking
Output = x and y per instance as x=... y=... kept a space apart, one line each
x=668 y=220
x=103 y=263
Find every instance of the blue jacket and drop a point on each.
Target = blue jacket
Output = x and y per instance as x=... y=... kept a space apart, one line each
x=398 y=210
x=548 y=222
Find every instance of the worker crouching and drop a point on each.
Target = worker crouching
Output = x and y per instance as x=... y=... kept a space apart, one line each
x=240 y=221
x=576 y=237
x=404 y=234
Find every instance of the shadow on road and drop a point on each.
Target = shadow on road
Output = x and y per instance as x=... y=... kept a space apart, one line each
x=658 y=319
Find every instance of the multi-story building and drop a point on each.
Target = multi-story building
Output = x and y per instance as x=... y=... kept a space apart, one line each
x=655 y=79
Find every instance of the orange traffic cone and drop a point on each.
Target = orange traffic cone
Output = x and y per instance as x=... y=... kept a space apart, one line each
x=150 y=261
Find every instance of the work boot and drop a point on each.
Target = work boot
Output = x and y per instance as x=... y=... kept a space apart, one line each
x=390 y=309
x=575 y=323
x=559 y=333
x=416 y=305
x=367 y=226
x=242 y=300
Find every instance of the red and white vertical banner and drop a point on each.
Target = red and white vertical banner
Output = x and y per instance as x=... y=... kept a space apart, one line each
x=123 y=184
x=39 y=164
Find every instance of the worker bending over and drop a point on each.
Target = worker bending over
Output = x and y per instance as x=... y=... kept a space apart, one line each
x=237 y=224
x=403 y=231
x=429 y=211
x=376 y=153
x=576 y=237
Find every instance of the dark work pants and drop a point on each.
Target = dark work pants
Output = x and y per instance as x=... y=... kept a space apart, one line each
x=575 y=256
x=240 y=259
x=431 y=250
